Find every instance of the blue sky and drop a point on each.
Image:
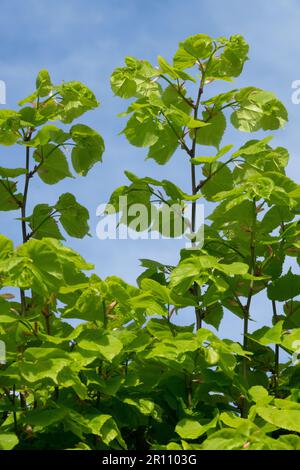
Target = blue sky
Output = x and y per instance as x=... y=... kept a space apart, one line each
x=86 y=40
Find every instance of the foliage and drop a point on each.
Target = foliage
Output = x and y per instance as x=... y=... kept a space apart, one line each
x=127 y=377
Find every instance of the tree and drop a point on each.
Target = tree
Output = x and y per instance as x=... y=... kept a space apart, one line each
x=122 y=379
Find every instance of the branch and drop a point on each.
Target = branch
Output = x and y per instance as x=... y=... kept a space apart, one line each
x=198 y=312
x=249 y=299
x=27 y=138
x=26 y=187
x=276 y=364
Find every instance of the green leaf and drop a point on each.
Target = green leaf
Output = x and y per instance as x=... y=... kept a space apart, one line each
x=39 y=265
x=49 y=133
x=247 y=118
x=188 y=428
x=183 y=60
x=231 y=60
x=43 y=369
x=122 y=83
x=6 y=247
x=167 y=68
x=53 y=164
x=274 y=217
x=107 y=345
x=9 y=125
x=171 y=97
x=106 y=427
x=291 y=440
x=181 y=118
x=146 y=407
x=43 y=224
x=76 y=99
x=285 y=288
x=173 y=349
x=284 y=419
x=266 y=335
x=183 y=276
x=212 y=134
x=160 y=328
x=292 y=312
x=7 y=201
x=147 y=303
x=225 y=439
x=141 y=131
x=68 y=256
x=88 y=150
x=46 y=417
x=8 y=137
x=295 y=193
x=11 y=172
x=88 y=307
x=260 y=395
x=31 y=117
x=36 y=354
x=6 y=313
x=68 y=378
x=8 y=440
x=199 y=46
x=253 y=147
x=160 y=292
x=219 y=179
x=136 y=79
x=43 y=83
x=233 y=268
x=73 y=216
x=213 y=315
x=197 y=268
x=258 y=109
x=200 y=160
x=164 y=147
x=230 y=419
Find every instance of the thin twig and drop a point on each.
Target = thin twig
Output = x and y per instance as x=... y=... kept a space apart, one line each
x=23 y=210
x=276 y=362
x=249 y=299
